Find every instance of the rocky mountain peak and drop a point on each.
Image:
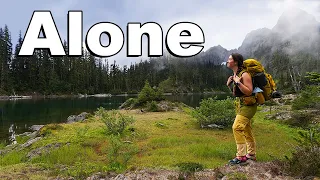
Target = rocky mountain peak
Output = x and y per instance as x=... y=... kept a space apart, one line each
x=295 y=20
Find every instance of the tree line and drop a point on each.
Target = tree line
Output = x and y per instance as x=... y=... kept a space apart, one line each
x=43 y=74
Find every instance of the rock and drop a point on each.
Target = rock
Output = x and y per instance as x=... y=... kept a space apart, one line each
x=148 y=174
x=212 y=126
x=206 y=174
x=2 y=152
x=120 y=177
x=71 y=119
x=165 y=106
x=24 y=134
x=279 y=116
x=42 y=150
x=97 y=176
x=102 y=176
x=30 y=142
x=36 y=127
x=33 y=135
x=79 y=118
x=29 y=134
x=254 y=170
x=224 y=178
x=285 y=99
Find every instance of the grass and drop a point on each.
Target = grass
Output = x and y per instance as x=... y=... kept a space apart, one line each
x=67 y=155
x=22 y=139
x=2 y=144
x=183 y=141
x=25 y=171
x=162 y=140
x=12 y=158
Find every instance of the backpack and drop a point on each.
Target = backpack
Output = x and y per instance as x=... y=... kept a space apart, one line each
x=262 y=80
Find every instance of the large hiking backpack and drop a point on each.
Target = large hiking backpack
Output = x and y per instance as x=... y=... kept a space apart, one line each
x=261 y=80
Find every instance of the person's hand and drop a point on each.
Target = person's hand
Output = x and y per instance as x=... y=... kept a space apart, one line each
x=236 y=79
x=230 y=79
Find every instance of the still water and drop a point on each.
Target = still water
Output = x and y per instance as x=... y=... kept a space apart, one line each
x=22 y=114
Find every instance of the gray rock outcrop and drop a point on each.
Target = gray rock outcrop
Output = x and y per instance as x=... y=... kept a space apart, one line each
x=77 y=118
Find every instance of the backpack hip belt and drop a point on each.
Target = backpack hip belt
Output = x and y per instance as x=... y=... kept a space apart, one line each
x=248 y=100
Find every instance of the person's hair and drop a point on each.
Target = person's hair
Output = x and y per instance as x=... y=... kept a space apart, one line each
x=239 y=59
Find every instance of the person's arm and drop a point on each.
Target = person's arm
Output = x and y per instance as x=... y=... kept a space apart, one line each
x=230 y=79
x=244 y=83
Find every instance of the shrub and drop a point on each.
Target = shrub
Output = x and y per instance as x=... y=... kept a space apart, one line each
x=300 y=119
x=100 y=111
x=49 y=129
x=115 y=121
x=187 y=169
x=305 y=160
x=119 y=153
x=149 y=94
x=308 y=98
x=213 y=111
x=152 y=106
x=312 y=78
x=145 y=98
x=129 y=103
x=190 y=167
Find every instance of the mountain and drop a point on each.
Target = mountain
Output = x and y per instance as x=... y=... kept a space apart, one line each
x=288 y=50
x=291 y=47
x=295 y=32
x=295 y=22
x=216 y=55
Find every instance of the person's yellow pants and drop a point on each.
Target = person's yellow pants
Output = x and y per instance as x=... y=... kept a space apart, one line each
x=242 y=129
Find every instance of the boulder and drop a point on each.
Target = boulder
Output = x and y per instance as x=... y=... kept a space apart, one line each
x=43 y=150
x=77 y=118
x=36 y=127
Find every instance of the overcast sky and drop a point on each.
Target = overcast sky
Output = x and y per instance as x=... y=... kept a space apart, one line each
x=224 y=22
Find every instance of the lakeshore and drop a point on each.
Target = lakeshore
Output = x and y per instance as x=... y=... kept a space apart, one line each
x=157 y=142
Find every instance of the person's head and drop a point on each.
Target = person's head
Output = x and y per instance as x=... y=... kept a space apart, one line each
x=235 y=60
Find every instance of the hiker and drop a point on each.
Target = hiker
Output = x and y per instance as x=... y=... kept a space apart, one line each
x=246 y=108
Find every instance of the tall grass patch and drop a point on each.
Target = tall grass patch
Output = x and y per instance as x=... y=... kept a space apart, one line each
x=11 y=158
x=67 y=155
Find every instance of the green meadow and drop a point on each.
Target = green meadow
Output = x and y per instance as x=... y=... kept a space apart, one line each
x=154 y=140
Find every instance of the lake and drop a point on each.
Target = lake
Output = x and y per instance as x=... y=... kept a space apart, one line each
x=21 y=114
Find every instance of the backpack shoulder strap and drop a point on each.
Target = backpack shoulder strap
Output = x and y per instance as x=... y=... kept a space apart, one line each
x=245 y=70
x=241 y=72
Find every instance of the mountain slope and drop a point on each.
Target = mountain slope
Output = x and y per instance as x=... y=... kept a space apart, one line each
x=295 y=32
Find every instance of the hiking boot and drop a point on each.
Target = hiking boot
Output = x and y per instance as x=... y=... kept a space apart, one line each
x=251 y=157
x=241 y=160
